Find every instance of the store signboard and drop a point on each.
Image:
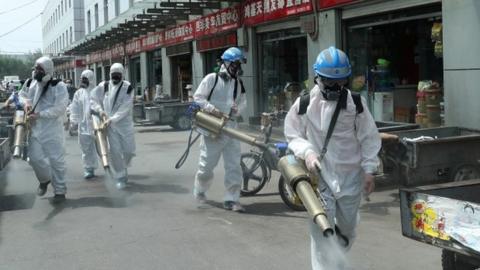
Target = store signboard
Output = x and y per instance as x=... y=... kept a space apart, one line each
x=217 y=42
x=94 y=57
x=333 y=3
x=221 y=21
x=117 y=51
x=259 y=11
x=179 y=33
x=152 y=41
x=80 y=63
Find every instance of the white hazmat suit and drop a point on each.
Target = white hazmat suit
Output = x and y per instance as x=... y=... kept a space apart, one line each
x=80 y=115
x=223 y=100
x=121 y=132
x=352 y=151
x=47 y=142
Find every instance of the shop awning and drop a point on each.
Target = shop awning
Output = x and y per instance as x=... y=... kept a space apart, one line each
x=142 y=18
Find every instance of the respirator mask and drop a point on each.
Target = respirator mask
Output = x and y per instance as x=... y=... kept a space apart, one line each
x=331 y=87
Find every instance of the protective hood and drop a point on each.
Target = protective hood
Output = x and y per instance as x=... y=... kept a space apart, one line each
x=90 y=76
x=47 y=66
x=117 y=68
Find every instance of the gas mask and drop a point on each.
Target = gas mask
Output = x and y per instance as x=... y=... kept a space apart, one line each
x=40 y=75
x=84 y=83
x=116 y=78
x=331 y=88
x=234 y=69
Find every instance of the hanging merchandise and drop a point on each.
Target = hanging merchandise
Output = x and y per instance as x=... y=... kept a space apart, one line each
x=437 y=38
x=437 y=31
x=438 y=49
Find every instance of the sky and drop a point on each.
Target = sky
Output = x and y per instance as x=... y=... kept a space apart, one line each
x=27 y=38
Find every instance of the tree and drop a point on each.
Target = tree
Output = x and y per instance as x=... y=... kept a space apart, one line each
x=12 y=66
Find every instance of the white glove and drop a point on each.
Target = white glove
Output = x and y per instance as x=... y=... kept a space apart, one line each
x=312 y=162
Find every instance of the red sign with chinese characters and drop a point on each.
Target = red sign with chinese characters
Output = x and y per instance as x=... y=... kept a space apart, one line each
x=133 y=46
x=259 y=11
x=221 y=21
x=333 y=3
x=80 y=63
x=217 y=42
x=179 y=34
x=152 y=41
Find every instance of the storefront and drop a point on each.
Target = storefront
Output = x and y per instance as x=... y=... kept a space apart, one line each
x=283 y=68
x=215 y=33
x=212 y=49
x=397 y=59
x=154 y=69
x=282 y=51
x=179 y=51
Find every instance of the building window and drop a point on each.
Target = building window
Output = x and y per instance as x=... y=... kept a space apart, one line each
x=89 y=22
x=66 y=37
x=62 y=9
x=130 y=3
x=117 y=7
x=70 y=3
x=105 y=11
x=71 y=35
x=96 y=16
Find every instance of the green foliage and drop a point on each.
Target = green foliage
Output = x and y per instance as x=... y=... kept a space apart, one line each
x=12 y=66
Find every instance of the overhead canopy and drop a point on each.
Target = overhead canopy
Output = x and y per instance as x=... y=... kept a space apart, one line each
x=143 y=17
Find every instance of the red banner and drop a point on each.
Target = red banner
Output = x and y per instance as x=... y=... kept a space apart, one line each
x=217 y=42
x=80 y=63
x=180 y=33
x=94 y=57
x=259 y=11
x=221 y=21
x=133 y=46
x=152 y=41
x=333 y=3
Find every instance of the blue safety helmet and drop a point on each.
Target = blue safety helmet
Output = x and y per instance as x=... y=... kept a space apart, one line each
x=233 y=54
x=332 y=63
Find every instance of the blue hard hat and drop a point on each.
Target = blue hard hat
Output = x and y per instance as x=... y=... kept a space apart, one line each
x=233 y=54
x=332 y=63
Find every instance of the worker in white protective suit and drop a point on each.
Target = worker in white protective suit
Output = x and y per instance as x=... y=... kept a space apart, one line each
x=80 y=116
x=222 y=92
x=46 y=102
x=351 y=157
x=113 y=99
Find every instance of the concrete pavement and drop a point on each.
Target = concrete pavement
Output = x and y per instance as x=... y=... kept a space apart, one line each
x=156 y=224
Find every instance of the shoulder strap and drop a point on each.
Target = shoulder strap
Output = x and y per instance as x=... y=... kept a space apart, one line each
x=357 y=99
x=116 y=95
x=129 y=89
x=214 y=84
x=304 y=102
x=54 y=82
x=241 y=86
x=44 y=90
x=330 y=128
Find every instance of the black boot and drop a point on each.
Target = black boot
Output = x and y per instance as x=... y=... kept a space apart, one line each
x=42 y=188
x=59 y=198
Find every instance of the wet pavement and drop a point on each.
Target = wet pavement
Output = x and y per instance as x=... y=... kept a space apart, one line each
x=155 y=223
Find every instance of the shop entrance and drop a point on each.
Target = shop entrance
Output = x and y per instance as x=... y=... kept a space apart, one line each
x=390 y=56
x=135 y=76
x=212 y=59
x=181 y=75
x=283 y=68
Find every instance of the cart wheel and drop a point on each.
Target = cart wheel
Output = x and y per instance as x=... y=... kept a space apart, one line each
x=466 y=172
x=255 y=173
x=182 y=123
x=288 y=196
